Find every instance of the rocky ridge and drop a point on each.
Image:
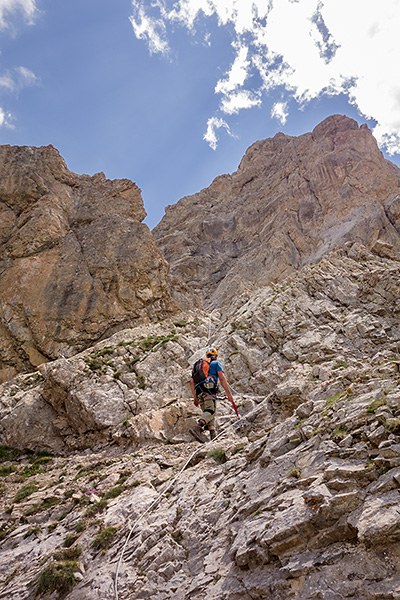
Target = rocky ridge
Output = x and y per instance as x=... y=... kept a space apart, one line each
x=76 y=261
x=298 y=499
x=291 y=200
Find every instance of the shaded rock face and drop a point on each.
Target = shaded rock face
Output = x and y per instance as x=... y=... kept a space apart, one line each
x=291 y=200
x=75 y=260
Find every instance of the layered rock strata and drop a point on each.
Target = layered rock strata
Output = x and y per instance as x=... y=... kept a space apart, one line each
x=76 y=262
x=297 y=500
x=291 y=200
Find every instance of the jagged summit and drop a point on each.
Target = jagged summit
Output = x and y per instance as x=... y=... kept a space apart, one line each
x=291 y=200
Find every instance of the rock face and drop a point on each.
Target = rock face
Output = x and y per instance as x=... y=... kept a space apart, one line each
x=76 y=263
x=291 y=200
x=297 y=500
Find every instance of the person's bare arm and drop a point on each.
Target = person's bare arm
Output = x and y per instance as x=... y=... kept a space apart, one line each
x=225 y=385
x=193 y=388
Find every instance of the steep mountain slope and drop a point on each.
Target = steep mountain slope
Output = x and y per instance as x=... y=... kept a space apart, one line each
x=297 y=500
x=291 y=200
x=76 y=263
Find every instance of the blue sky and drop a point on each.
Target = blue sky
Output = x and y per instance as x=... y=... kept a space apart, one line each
x=170 y=93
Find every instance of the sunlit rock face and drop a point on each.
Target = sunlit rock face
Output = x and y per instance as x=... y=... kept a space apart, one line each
x=76 y=263
x=291 y=200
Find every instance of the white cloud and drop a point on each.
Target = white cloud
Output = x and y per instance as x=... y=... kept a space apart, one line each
x=236 y=101
x=149 y=28
x=279 y=111
x=6 y=119
x=307 y=47
x=213 y=125
x=7 y=7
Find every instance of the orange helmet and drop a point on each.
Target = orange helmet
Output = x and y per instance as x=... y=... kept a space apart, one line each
x=212 y=352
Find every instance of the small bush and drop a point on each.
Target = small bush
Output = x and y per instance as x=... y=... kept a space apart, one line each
x=25 y=491
x=114 y=492
x=6 y=470
x=103 y=539
x=96 y=508
x=295 y=472
x=80 y=526
x=218 y=454
x=69 y=540
x=68 y=553
x=375 y=405
x=7 y=453
x=57 y=577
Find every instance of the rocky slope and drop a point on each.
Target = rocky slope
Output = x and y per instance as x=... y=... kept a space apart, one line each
x=291 y=200
x=76 y=263
x=298 y=499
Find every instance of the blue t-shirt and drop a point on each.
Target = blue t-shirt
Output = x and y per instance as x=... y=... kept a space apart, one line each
x=215 y=366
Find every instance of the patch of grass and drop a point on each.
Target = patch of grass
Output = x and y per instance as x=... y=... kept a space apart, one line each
x=295 y=472
x=148 y=343
x=7 y=453
x=114 y=492
x=6 y=470
x=340 y=432
x=181 y=323
x=44 y=505
x=69 y=540
x=68 y=553
x=80 y=526
x=33 y=531
x=58 y=576
x=218 y=454
x=103 y=539
x=141 y=380
x=341 y=365
x=393 y=425
x=31 y=470
x=375 y=405
x=5 y=532
x=25 y=491
x=331 y=401
x=97 y=508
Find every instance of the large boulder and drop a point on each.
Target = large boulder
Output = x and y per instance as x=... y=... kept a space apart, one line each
x=76 y=262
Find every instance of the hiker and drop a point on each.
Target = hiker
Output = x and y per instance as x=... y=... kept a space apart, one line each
x=204 y=385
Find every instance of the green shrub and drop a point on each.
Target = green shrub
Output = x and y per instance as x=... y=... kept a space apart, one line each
x=218 y=454
x=25 y=491
x=96 y=508
x=68 y=553
x=7 y=453
x=294 y=472
x=80 y=526
x=6 y=470
x=376 y=404
x=57 y=577
x=103 y=539
x=69 y=540
x=114 y=492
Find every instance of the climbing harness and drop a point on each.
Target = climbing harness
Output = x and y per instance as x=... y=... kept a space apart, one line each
x=156 y=501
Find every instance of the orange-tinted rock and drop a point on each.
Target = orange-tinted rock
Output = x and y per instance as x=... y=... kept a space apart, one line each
x=76 y=263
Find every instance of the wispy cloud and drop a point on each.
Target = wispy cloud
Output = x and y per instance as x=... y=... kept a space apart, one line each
x=213 y=124
x=12 y=82
x=308 y=47
x=28 y=9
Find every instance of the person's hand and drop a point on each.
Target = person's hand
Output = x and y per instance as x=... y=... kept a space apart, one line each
x=196 y=402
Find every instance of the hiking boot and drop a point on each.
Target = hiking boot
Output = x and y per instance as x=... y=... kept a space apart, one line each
x=213 y=434
x=197 y=432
